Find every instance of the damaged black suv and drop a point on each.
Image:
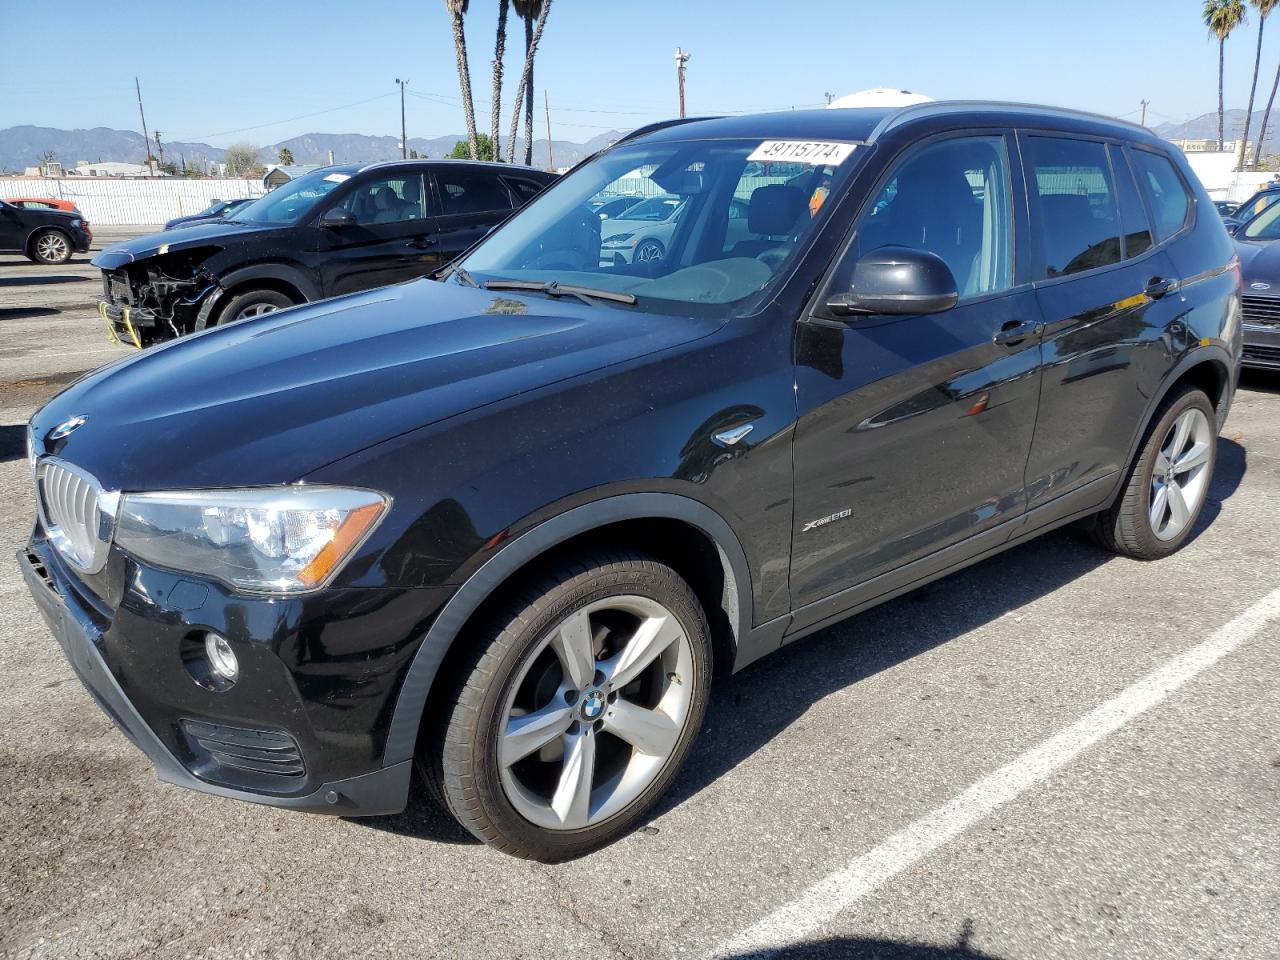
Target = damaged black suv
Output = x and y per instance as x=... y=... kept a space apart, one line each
x=336 y=230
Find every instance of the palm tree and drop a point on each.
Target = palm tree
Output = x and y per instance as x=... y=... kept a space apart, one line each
x=1266 y=119
x=458 y=9
x=1222 y=17
x=499 y=51
x=529 y=11
x=1264 y=8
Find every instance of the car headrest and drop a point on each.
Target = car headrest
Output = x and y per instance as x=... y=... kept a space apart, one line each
x=383 y=198
x=775 y=208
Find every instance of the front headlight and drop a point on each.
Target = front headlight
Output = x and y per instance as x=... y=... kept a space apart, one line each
x=281 y=540
x=618 y=240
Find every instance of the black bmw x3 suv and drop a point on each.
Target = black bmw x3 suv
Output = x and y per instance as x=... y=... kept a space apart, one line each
x=335 y=230
x=503 y=527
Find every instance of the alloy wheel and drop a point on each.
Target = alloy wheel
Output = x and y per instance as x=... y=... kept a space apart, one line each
x=595 y=713
x=647 y=251
x=1180 y=477
x=52 y=247
x=256 y=310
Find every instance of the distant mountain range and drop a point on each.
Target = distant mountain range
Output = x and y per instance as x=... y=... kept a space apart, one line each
x=22 y=147
x=1205 y=127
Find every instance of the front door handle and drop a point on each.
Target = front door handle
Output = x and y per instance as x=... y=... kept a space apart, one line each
x=421 y=243
x=1014 y=332
x=1158 y=287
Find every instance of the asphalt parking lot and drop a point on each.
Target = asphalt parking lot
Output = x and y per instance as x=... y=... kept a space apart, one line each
x=1053 y=754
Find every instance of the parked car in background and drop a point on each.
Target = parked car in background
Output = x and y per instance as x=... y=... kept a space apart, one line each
x=332 y=231
x=1260 y=261
x=1255 y=205
x=1225 y=207
x=642 y=232
x=43 y=203
x=607 y=208
x=507 y=525
x=218 y=210
x=43 y=235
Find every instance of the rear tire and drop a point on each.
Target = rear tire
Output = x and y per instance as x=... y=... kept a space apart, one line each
x=574 y=709
x=252 y=303
x=50 y=247
x=1168 y=481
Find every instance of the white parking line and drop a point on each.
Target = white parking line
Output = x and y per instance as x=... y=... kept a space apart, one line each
x=842 y=889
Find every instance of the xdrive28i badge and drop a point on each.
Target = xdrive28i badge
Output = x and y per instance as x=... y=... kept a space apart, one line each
x=66 y=427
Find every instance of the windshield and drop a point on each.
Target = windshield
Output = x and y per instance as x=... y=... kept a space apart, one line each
x=1264 y=226
x=716 y=227
x=290 y=202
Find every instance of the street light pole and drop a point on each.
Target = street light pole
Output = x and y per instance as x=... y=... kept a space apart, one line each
x=681 y=59
x=404 y=140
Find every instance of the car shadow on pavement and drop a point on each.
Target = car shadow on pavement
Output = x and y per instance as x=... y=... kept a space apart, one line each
x=24 y=313
x=1264 y=381
x=749 y=709
x=13 y=442
x=40 y=281
x=868 y=948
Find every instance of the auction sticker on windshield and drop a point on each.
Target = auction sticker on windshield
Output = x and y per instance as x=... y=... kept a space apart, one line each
x=803 y=151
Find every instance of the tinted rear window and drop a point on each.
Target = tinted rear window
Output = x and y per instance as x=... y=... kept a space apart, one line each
x=1133 y=213
x=1165 y=192
x=1079 y=218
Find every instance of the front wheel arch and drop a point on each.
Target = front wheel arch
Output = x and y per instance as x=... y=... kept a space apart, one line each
x=592 y=521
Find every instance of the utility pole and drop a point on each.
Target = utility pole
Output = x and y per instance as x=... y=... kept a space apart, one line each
x=404 y=140
x=681 y=59
x=146 y=139
x=546 y=103
x=1144 y=111
x=159 y=149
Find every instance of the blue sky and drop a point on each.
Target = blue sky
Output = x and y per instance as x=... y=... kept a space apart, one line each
x=252 y=71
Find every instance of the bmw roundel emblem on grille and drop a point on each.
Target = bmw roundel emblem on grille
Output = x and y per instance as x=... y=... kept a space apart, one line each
x=66 y=427
x=1259 y=286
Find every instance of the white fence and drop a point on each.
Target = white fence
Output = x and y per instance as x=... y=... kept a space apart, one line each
x=107 y=202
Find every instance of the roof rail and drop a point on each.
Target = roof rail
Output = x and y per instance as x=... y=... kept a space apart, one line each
x=660 y=125
x=936 y=107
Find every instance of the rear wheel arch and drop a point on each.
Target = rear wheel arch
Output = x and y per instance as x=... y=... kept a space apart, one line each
x=684 y=533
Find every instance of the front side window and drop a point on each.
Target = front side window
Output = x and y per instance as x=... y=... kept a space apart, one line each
x=1265 y=226
x=386 y=199
x=1079 y=219
x=714 y=227
x=951 y=199
x=1165 y=192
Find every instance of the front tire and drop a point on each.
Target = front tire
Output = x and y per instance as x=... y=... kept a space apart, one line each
x=50 y=247
x=1168 y=481
x=575 y=709
x=252 y=303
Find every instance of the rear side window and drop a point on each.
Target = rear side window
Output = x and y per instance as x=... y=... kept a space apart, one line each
x=471 y=191
x=524 y=190
x=1133 y=213
x=1165 y=192
x=1079 y=219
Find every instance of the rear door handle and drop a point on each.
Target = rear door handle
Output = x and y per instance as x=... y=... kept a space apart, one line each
x=1015 y=331
x=1158 y=287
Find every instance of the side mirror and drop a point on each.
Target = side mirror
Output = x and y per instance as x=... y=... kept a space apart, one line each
x=898 y=281
x=337 y=217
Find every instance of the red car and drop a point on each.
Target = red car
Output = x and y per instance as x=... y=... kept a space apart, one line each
x=42 y=203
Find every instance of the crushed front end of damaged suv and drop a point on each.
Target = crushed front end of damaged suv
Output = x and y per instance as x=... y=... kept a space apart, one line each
x=157 y=298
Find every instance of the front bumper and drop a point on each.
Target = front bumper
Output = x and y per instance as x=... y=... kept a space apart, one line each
x=111 y=658
x=127 y=325
x=1261 y=346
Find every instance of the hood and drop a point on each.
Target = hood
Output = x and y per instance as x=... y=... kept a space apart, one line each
x=271 y=399
x=1259 y=263
x=202 y=234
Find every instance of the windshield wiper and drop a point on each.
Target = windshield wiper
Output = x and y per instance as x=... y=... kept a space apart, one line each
x=553 y=288
x=457 y=270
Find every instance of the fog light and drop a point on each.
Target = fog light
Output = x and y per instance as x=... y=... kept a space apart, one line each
x=222 y=659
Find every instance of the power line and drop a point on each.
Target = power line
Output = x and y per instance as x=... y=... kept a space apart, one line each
x=276 y=123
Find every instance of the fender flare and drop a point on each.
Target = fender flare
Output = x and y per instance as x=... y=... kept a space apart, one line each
x=1194 y=358
x=294 y=276
x=412 y=698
